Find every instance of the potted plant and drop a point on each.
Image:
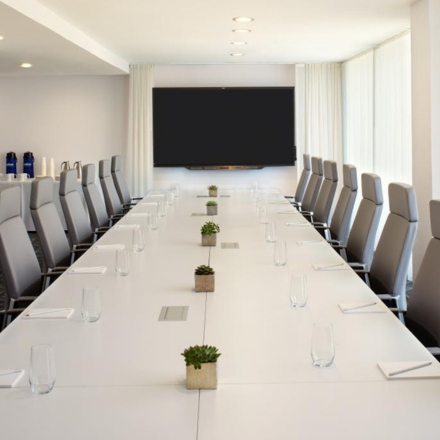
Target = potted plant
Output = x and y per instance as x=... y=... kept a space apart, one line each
x=201 y=367
x=209 y=234
x=211 y=207
x=204 y=279
x=212 y=190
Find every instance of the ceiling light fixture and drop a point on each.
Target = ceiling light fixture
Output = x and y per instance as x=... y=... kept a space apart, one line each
x=237 y=54
x=26 y=65
x=241 y=30
x=243 y=19
x=1 y=37
x=238 y=43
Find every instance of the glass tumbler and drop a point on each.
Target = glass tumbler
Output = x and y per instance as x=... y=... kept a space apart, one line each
x=323 y=347
x=152 y=220
x=298 y=290
x=271 y=232
x=42 y=373
x=122 y=263
x=280 y=253
x=138 y=240
x=91 y=304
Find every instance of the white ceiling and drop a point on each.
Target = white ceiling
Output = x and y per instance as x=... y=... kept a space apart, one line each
x=105 y=36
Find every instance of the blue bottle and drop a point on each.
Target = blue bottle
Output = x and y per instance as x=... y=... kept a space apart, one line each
x=11 y=163
x=28 y=164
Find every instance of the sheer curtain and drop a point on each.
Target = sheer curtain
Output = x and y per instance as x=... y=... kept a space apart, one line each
x=140 y=130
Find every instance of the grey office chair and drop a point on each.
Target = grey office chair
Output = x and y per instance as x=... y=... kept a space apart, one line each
x=120 y=183
x=81 y=235
x=303 y=181
x=387 y=276
x=314 y=185
x=361 y=239
x=324 y=202
x=339 y=227
x=50 y=230
x=21 y=270
x=112 y=202
x=95 y=202
x=423 y=314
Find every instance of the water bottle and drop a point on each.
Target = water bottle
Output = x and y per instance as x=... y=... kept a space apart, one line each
x=11 y=163
x=28 y=164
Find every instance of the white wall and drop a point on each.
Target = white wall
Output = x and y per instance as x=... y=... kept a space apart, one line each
x=68 y=118
x=283 y=178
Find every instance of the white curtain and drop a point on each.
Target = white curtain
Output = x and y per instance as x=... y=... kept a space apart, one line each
x=140 y=130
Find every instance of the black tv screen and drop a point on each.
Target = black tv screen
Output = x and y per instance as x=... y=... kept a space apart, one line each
x=223 y=127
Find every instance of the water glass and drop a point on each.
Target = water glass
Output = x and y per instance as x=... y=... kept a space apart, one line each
x=323 y=347
x=298 y=290
x=280 y=253
x=162 y=208
x=175 y=190
x=91 y=304
x=152 y=220
x=138 y=240
x=170 y=198
x=42 y=373
x=271 y=232
x=263 y=215
x=122 y=264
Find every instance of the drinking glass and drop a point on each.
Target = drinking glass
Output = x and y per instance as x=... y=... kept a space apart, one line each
x=280 y=253
x=175 y=190
x=122 y=264
x=170 y=198
x=152 y=220
x=271 y=232
x=323 y=347
x=262 y=215
x=42 y=373
x=162 y=208
x=91 y=304
x=298 y=290
x=138 y=240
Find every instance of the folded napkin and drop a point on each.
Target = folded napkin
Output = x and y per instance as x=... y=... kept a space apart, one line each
x=108 y=247
x=53 y=313
x=418 y=370
x=288 y=211
x=134 y=226
x=10 y=377
x=336 y=266
x=140 y=214
x=310 y=242
x=198 y=214
x=361 y=308
x=87 y=270
x=279 y=203
x=288 y=224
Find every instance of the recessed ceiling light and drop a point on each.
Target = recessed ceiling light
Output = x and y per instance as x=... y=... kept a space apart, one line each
x=1 y=37
x=241 y=30
x=238 y=43
x=243 y=19
x=26 y=65
x=237 y=54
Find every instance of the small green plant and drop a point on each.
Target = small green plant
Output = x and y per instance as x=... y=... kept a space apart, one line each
x=204 y=270
x=210 y=228
x=211 y=203
x=200 y=354
x=213 y=187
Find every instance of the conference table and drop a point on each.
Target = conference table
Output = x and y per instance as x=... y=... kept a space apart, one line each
x=124 y=377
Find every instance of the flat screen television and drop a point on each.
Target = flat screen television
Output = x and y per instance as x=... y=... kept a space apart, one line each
x=224 y=127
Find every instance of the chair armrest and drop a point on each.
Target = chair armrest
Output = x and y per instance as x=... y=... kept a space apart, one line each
x=319 y=225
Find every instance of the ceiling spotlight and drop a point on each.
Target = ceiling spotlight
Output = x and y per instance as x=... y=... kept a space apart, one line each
x=26 y=65
x=243 y=19
x=1 y=37
x=237 y=54
x=241 y=30
x=238 y=43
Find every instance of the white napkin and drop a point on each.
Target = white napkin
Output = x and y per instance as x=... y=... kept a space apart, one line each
x=429 y=372
x=361 y=308
x=87 y=270
x=139 y=214
x=335 y=266
x=279 y=203
x=10 y=377
x=288 y=211
x=53 y=313
x=108 y=247
x=288 y=224
x=134 y=226
x=310 y=242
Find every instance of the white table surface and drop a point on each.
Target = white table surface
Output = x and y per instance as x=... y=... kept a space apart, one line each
x=268 y=387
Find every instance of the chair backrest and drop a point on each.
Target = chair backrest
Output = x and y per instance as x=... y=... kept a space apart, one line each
x=340 y=223
x=94 y=200
x=111 y=198
x=393 y=252
x=314 y=185
x=77 y=219
x=50 y=230
x=324 y=202
x=424 y=301
x=21 y=270
x=360 y=242
x=119 y=180
x=304 y=179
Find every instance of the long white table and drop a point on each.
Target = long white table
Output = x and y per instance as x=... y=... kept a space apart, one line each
x=124 y=377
